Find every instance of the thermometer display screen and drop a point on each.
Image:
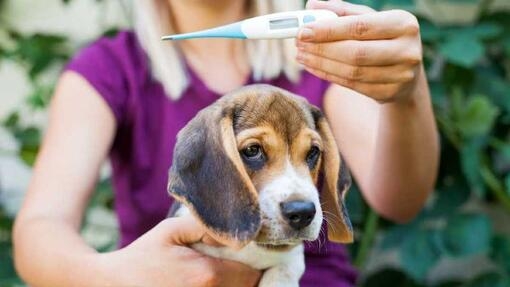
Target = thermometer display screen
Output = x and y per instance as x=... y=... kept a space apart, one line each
x=284 y=23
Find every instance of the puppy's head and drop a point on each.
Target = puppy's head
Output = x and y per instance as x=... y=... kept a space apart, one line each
x=247 y=168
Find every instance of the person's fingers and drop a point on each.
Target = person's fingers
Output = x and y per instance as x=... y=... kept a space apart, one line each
x=207 y=239
x=181 y=230
x=372 y=26
x=185 y=230
x=237 y=274
x=378 y=92
x=339 y=7
x=365 y=53
x=364 y=74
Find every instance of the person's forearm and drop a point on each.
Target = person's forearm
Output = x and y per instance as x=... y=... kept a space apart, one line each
x=405 y=158
x=51 y=253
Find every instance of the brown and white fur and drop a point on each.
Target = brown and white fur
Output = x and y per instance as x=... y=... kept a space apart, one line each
x=239 y=165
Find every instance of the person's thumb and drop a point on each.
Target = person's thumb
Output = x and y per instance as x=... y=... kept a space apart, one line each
x=341 y=8
x=181 y=230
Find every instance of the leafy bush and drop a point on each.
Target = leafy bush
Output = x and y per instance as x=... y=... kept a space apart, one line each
x=466 y=52
x=38 y=54
x=468 y=70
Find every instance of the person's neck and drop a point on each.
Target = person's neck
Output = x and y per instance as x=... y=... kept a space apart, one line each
x=202 y=54
x=193 y=15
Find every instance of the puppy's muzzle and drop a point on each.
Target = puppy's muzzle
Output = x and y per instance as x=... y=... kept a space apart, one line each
x=298 y=213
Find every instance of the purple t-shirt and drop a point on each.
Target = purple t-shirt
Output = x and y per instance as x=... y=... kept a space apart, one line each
x=147 y=125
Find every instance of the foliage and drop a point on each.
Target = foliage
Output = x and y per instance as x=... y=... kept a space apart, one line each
x=37 y=54
x=468 y=69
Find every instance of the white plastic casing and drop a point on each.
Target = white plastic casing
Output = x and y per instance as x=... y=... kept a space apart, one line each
x=259 y=27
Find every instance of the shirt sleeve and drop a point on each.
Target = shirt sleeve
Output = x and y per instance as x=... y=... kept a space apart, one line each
x=99 y=64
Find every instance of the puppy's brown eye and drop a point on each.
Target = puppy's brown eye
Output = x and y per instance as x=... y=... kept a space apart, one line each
x=313 y=156
x=252 y=151
x=253 y=156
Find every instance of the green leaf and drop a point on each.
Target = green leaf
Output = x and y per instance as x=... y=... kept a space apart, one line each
x=494 y=86
x=376 y=4
x=12 y=121
x=28 y=155
x=450 y=284
x=6 y=261
x=103 y=195
x=475 y=117
x=29 y=137
x=463 y=49
x=429 y=31
x=355 y=205
x=390 y=277
x=506 y=44
x=467 y=234
x=40 y=51
x=463 y=1
x=487 y=30
x=501 y=157
x=6 y=222
x=448 y=199
x=489 y=280
x=408 y=5
x=500 y=252
x=423 y=244
x=394 y=236
x=471 y=153
x=40 y=97
x=507 y=184
x=438 y=94
x=111 y=32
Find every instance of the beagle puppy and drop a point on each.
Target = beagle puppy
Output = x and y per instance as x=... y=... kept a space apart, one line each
x=247 y=167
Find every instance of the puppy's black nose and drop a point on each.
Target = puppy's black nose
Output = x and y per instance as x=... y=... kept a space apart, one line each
x=299 y=214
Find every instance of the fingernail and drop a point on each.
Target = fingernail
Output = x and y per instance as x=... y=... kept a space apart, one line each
x=306 y=34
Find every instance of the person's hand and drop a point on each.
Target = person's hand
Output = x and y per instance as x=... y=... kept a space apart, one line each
x=378 y=54
x=161 y=257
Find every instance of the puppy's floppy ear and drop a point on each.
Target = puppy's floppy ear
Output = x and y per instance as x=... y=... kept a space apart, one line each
x=209 y=177
x=337 y=181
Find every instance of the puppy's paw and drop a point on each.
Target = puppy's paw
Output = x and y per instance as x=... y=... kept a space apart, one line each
x=278 y=284
x=280 y=276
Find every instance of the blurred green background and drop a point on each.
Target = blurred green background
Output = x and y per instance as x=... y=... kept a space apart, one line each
x=461 y=238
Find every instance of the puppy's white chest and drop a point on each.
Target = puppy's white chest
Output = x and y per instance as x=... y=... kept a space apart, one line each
x=254 y=255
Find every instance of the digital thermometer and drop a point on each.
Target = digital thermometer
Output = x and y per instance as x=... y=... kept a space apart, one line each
x=272 y=26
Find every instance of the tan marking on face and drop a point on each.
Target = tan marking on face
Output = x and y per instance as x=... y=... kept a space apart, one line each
x=299 y=149
x=245 y=137
x=229 y=144
x=274 y=147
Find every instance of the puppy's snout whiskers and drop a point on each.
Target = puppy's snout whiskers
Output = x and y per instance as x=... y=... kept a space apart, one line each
x=330 y=216
x=321 y=240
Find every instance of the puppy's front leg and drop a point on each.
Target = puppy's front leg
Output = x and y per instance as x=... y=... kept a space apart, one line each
x=286 y=274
